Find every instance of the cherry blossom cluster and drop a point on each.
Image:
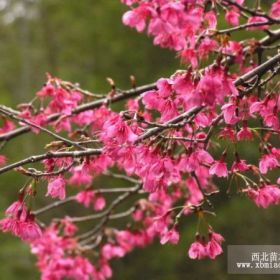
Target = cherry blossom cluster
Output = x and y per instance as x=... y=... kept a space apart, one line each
x=191 y=27
x=162 y=158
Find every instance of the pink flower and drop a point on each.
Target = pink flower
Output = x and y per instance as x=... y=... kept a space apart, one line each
x=171 y=236
x=3 y=160
x=137 y=17
x=85 y=197
x=164 y=87
x=265 y=195
x=219 y=168
x=234 y=48
x=239 y=165
x=151 y=99
x=232 y=17
x=211 y=18
x=189 y=55
x=80 y=175
x=39 y=119
x=197 y=250
x=172 y=12
x=88 y=197
x=115 y=129
x=100 y=164
x=132 y=104
x=69 y=228
x=47 y=90
x=110 y=251
x=272 y=120
x=227 y=133
x=245 y=134
x=56 y=188
x=195 y=194
x=229 y=112
x=258 y=19
x=160 y=224
x=210 y=88
x=138 y=215
x=29 y=231
x=99 y=202
x=207 y=45
x=10 y=224
x=275 y=9
x=7 y=126
x=17 y=207
x=159 y=173
x=200 y=249
x=213 y=246
x=21 y=224
x=268 y=162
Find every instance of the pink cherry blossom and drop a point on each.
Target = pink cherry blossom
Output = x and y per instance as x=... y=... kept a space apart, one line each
x=7 y=126
x=219 y=168
x=85 y=197
x=171 y=236
x=20 y=224
x=245 y=133
x=232 y=17
x=213 y=246
x=56 y=188
x=275 y=9
x=137 y=17
x=29 y=230
x=81 y=175
x=16 y=207
x=197 y=250
x=239 y=165
x=69 y=228
x=3 y=160
x=265 y=195
x=229 y=112
x=99 y=202
x=115 y=129
x=47 y=90
x=268 y=162
x=258 y=19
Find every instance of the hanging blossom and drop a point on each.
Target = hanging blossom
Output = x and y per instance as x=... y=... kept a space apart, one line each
x=201 y=248
x=20 y=222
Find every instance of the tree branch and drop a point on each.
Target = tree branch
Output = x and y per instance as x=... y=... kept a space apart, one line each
x=258 y=71
x=84 y=107
x=48 y=155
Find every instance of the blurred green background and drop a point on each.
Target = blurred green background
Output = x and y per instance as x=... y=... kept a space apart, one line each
x=85 y=41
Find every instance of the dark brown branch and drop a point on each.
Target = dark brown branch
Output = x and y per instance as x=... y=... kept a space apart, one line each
x=156 y=130
x=84 y=107
x=37 y=173
x=258 y=71
x=73 y=198
x=48 y=155
x=243 y=26
x=109 y=210
x=53 y=205
x=6 y=111
x=250 y=11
